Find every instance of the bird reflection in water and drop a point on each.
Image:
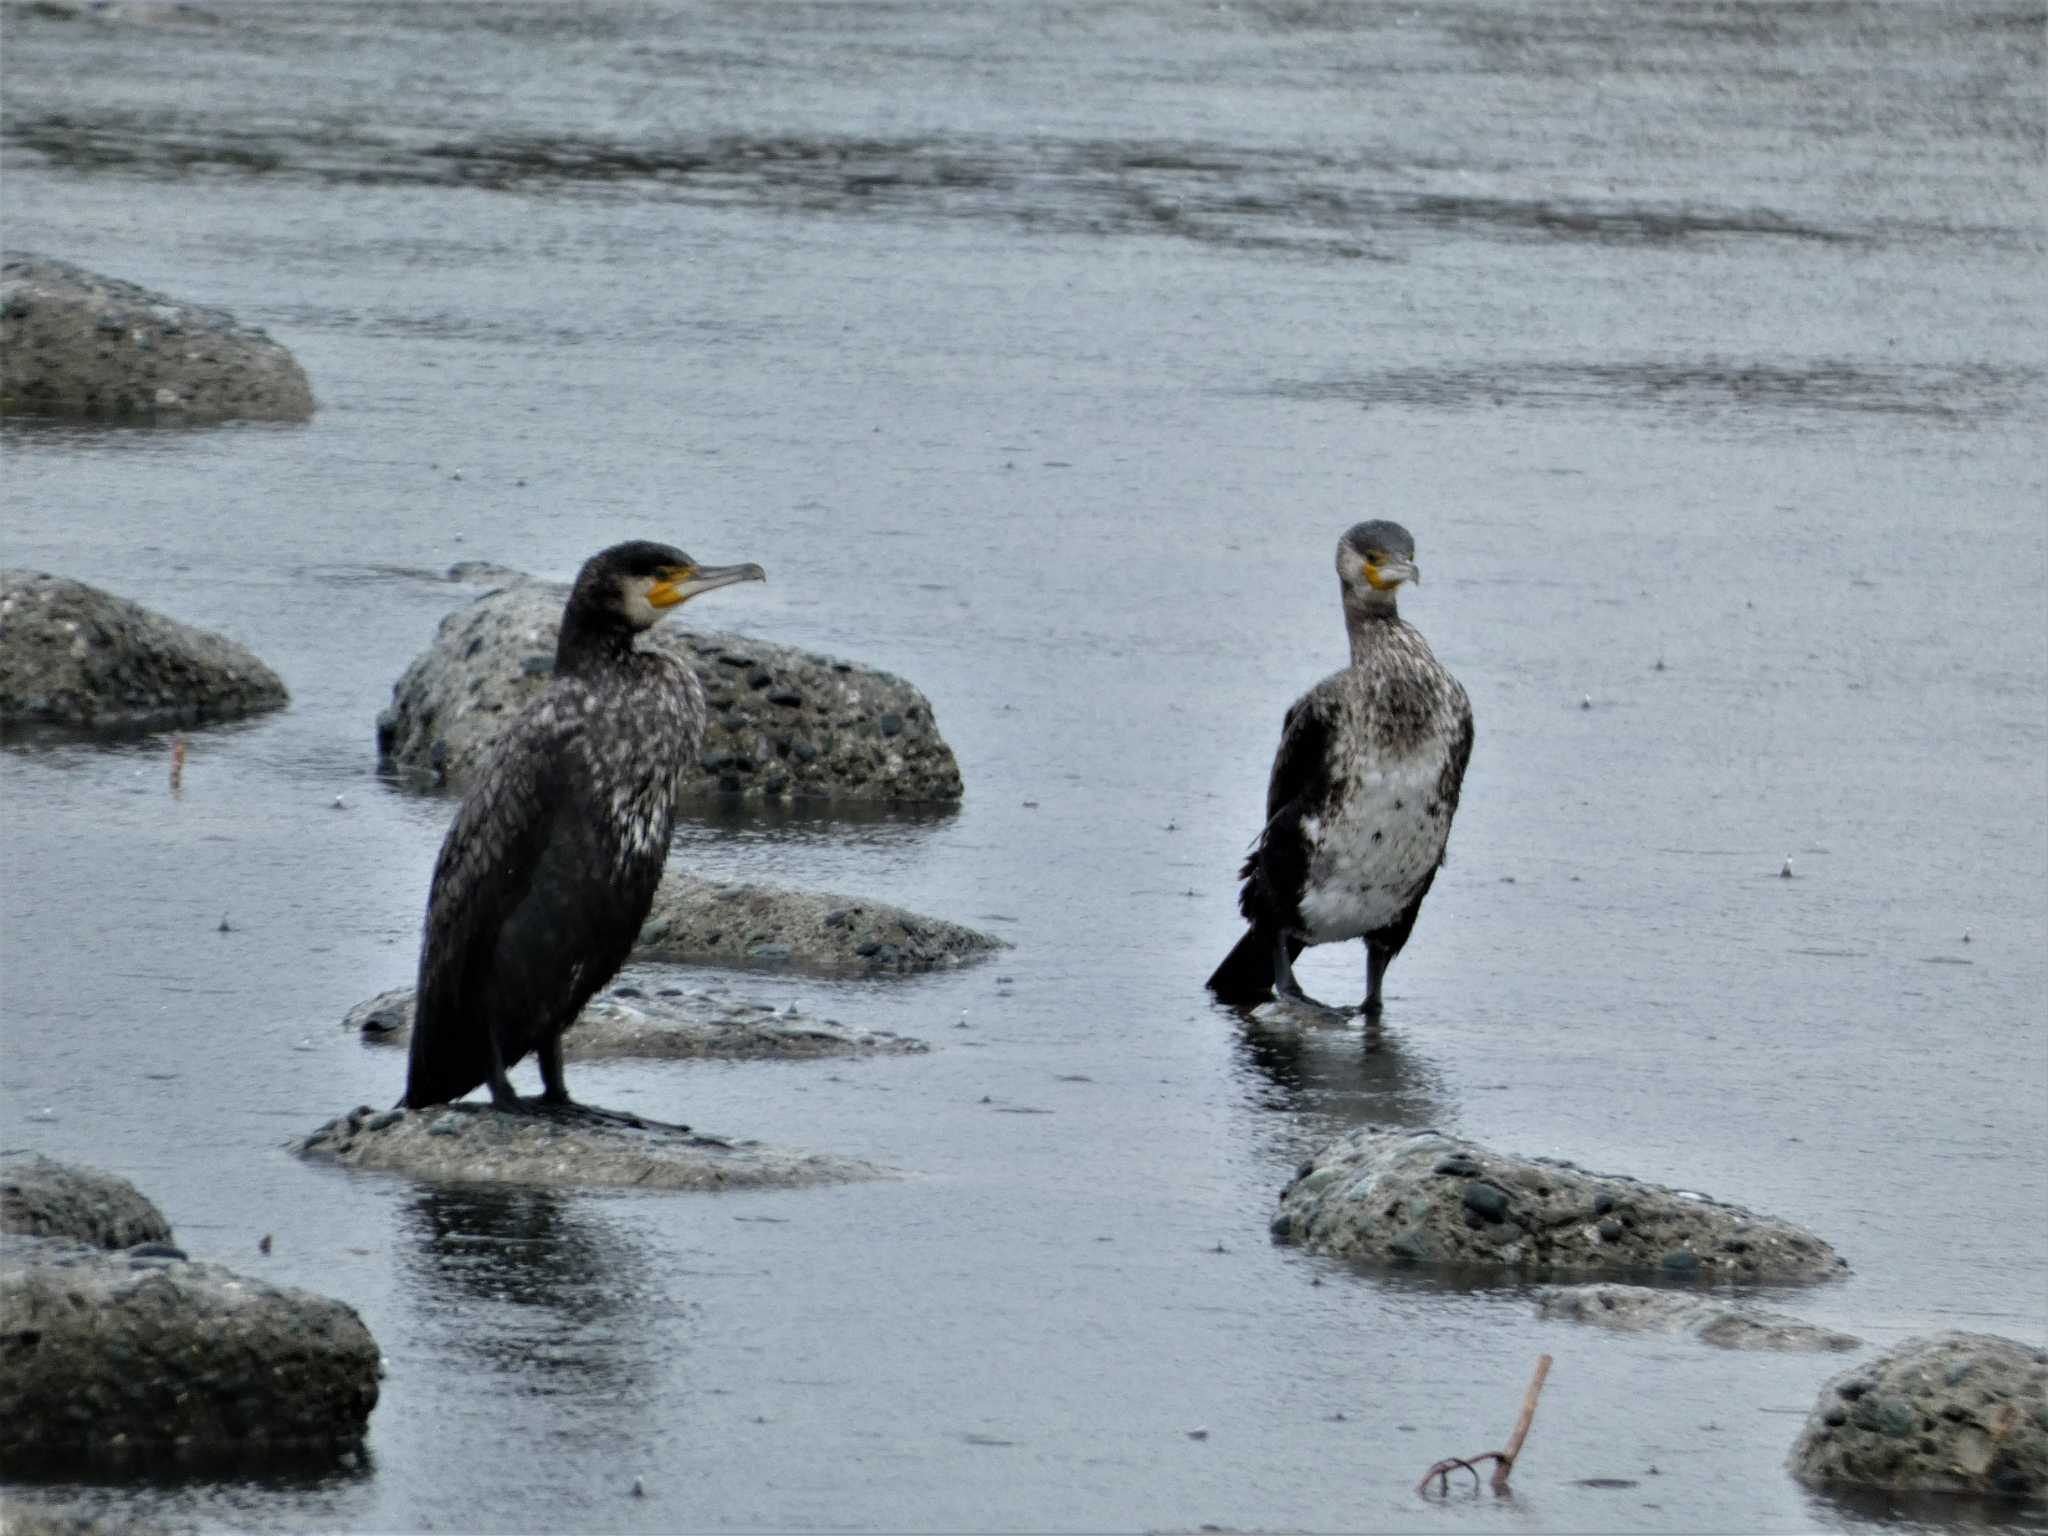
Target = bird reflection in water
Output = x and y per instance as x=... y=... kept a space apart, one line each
x=1337 y=1078
x=528 y=1282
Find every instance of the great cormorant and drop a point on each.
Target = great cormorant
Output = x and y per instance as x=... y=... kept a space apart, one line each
x=550 y=866
x=1359 y=806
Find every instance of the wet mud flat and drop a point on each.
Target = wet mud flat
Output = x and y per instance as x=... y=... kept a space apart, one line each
x=1244 y=190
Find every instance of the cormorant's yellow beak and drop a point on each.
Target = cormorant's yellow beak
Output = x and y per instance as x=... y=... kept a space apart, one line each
x=684 y=582
x=1390 y=574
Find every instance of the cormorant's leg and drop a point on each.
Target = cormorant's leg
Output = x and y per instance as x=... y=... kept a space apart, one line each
x=553 y=1088
x=1382 y=944
x=502 y=1096
x=1284 y=984
x=1377 y=959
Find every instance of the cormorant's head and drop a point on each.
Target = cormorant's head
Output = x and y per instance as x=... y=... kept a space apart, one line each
x=640 y=582
x=1373 y=559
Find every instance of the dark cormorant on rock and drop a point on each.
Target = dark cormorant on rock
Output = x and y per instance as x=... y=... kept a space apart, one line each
x=1363 y=790
x=550 y=866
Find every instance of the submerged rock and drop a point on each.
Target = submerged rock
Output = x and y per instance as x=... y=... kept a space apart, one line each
x=710 y=922
x=40 y=1197
x=73 y=343
x=1424 y=1197
x=115 y=12
x=469 y=1143
x=72 y=655
x=669 y=1024
x=785 y=724
x=1641 y=1309
x=484 y=573
x=1953 y=1413
x=22 y=1517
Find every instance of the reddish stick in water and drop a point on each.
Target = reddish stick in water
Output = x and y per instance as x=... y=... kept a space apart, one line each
x=1503 y=1460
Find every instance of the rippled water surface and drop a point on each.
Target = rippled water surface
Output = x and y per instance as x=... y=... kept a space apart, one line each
x=1040 y=352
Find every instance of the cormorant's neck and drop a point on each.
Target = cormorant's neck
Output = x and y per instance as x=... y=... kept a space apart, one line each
x=1367 y=615
x=592 y=638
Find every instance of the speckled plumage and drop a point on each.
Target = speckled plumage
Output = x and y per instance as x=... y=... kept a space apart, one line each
x=1360 y=801
x=1395 y=730
x=551 y=863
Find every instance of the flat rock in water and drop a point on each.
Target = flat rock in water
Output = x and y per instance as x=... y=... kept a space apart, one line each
x=472 y=1143
x=1642 y=1309
x=1422 y=1197
x=666 y=1025
x=139 y=1355
x=40 y=1197
x=1950 y=1413
x=72 y=655
x=73 y=343
x=711 y=922
x=785 y=724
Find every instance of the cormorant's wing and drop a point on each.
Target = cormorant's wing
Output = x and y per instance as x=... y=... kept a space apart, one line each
x=1301 y=768
x=1277 y=868
x=485 y=870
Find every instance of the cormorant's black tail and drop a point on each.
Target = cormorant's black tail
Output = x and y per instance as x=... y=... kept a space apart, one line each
x=444 y=1063
x=1246 y=975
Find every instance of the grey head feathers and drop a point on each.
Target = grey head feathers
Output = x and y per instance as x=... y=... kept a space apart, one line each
x=1373 y=560
x=1379 y=538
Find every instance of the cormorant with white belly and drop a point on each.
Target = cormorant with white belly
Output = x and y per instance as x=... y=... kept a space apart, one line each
x=550 y=866
x=1359 y=807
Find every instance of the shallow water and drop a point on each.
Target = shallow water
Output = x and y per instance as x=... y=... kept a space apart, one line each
x=1040 y=353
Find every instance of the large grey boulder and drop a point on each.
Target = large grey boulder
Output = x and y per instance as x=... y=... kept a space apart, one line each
x=117 y=1347
x=711 y=922
x=40 y=1197
x=73 y=343
x=785 y=724
x=472 y=1143
x=109 y=1356
x=1709 y=1319
x=1952 y=1412
x=670 y=1025
x=72 y=655
x=1424 y=1197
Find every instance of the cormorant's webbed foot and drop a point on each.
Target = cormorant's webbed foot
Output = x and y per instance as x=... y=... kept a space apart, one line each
x=1291 y=1004
x=1287 y=991
x=570 y=1112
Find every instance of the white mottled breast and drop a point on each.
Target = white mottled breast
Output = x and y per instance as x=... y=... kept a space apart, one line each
x=640 y=748
x=1368 y=856
x=1394 y=718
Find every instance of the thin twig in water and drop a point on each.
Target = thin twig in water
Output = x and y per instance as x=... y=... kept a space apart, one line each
x=1503 y=1460
x=177 y=764
x=1507 y=1459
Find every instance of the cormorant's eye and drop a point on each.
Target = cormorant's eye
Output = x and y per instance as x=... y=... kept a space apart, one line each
x=1375 y=557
